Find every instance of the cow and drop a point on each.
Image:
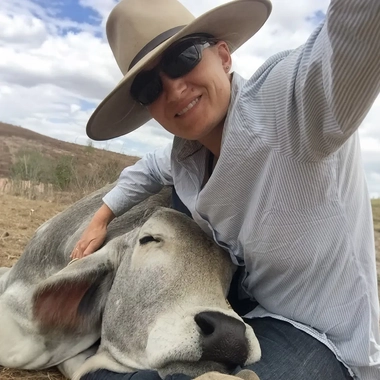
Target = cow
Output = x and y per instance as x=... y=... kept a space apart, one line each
x=154 y=295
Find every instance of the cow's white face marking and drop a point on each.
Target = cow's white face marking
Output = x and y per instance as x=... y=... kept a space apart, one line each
x=174 y=273
x=184 y=342
x=155 y=247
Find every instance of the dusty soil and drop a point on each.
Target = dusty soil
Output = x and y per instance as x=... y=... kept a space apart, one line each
x=19 y=218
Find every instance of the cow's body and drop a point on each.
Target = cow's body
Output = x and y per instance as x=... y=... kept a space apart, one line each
x=142 y=292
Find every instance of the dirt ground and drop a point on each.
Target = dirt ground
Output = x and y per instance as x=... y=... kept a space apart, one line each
x=19 y=218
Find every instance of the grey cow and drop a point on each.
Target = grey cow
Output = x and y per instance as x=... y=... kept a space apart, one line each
x=155 y=293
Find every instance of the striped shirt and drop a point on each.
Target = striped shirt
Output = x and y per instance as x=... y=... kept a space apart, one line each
x=288 y=198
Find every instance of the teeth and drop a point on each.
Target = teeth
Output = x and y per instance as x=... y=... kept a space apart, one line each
x=191 y=105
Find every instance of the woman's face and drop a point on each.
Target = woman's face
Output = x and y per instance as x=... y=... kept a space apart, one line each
x=194 y=105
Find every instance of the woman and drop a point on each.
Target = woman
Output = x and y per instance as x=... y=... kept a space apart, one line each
x=287 y=196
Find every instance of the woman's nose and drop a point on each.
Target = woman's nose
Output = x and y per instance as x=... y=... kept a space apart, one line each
x=173 y=87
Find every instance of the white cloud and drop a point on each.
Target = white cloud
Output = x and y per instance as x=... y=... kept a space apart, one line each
x=80 y=63
x=54 y=70
x=22 y=30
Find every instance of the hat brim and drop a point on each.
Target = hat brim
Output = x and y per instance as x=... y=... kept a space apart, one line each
x=235 y=22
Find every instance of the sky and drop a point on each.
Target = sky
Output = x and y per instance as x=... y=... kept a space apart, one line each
x=56 y=67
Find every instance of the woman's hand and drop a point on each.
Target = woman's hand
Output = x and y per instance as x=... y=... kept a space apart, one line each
x=91 y=239
x=94 y=235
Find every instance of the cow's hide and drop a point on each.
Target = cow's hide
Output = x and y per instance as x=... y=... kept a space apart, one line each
x=155 y=293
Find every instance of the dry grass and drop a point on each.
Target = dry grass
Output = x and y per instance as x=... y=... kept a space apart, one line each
x=17 y=224
x=11 y=374
x=33 y=165
x=13 y=139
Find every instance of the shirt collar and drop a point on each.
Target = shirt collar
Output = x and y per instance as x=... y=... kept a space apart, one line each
x=182 y=148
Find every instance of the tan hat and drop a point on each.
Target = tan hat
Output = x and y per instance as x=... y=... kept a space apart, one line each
x=139 y=31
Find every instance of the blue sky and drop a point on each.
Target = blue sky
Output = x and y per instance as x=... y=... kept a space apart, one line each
x=317 y=17
x=71 y=9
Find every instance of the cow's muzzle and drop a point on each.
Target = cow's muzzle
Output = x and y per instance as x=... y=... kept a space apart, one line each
x=224 y=339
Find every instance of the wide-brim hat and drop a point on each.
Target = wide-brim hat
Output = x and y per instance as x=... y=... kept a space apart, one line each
x=139 y=31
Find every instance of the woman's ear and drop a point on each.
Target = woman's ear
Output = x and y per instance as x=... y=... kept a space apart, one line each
x=225 y=55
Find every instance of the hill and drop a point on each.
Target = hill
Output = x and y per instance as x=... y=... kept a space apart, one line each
x=15 y=139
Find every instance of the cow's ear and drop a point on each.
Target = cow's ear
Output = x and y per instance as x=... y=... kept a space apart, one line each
x=73 y=299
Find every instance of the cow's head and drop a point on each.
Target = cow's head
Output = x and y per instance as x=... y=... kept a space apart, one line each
x=166 y=308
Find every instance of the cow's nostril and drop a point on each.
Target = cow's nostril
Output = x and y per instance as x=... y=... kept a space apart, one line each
x=223 y=338
x=205 y=323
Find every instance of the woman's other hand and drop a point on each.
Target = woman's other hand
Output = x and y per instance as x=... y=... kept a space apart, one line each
x=95 y=233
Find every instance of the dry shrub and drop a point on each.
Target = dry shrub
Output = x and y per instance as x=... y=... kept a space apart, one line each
x=27 y=189
x=67 y=178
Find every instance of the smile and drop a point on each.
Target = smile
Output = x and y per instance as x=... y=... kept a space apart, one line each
x=190 y=106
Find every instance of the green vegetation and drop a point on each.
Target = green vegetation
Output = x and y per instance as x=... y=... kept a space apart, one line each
x=32 y=166
x=89 y=149
x=62 y=173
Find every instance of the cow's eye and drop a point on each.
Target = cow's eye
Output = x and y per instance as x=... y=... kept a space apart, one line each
x=147 y=239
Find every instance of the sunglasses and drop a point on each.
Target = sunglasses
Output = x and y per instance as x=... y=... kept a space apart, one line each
x=176 y=62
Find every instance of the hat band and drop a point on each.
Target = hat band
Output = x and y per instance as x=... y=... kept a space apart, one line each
x=154 y=43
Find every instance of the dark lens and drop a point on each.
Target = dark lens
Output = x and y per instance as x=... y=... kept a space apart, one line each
x=181 y=59
x=146 y=87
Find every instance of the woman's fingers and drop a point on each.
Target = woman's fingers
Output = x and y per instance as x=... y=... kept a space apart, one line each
x=92 y=247
x=90 y=241
x=77 y=253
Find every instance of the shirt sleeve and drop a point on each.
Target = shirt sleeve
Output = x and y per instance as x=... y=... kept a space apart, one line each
x=314 y=98
x=137 y=182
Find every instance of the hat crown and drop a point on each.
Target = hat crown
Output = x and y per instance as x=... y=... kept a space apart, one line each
x=133 y=24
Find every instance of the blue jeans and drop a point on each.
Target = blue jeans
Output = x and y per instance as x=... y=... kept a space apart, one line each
x=287 y=354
